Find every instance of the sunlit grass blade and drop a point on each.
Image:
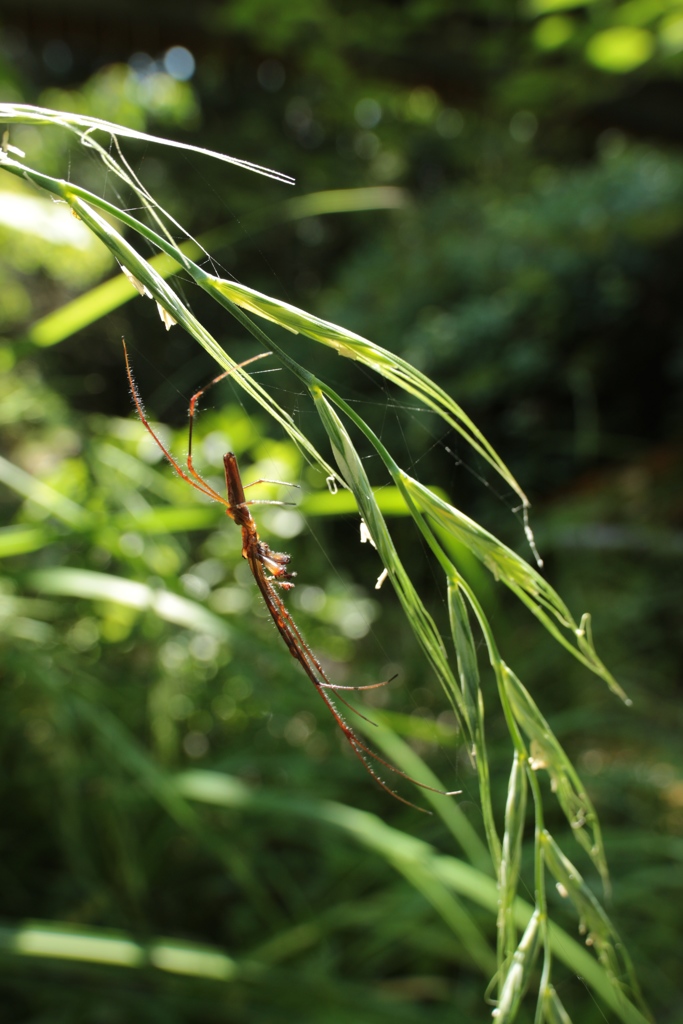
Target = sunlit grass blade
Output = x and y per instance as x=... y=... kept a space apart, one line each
x=511 y=853
x=473 y=702
x=24 y=619
x=519 y=973
x=468 y=670
x=41 y=494
x=101 y=300
x=97 y=586
x=383 y=362
x=104 y=298
x=546 y=753
x=169 y=519
x=20 y=539
x=63 y=941
x=508 y=567
x=595 y=924
x=355 y=478
x=83 y=125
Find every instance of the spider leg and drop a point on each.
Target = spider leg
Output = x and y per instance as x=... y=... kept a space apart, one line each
x=264 y=480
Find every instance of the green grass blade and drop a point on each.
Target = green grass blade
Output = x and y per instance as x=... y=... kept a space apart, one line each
x=403 y=756
x=402 y=851
x=99 y=586
x=41 y=494
x=104 y=298
x=21 y=540
x=83 y=125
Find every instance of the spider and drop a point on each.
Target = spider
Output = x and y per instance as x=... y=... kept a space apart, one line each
x=270 y=570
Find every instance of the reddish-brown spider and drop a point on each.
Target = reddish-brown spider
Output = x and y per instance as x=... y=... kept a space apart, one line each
x=270 y=570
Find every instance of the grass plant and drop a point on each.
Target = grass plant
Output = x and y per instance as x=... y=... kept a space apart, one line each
x=501 y=877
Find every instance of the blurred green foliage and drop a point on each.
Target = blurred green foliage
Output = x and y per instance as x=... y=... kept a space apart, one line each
x=533 y=272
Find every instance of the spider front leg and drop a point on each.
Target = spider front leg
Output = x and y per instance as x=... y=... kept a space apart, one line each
x=264 y=480
x=267 y=501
